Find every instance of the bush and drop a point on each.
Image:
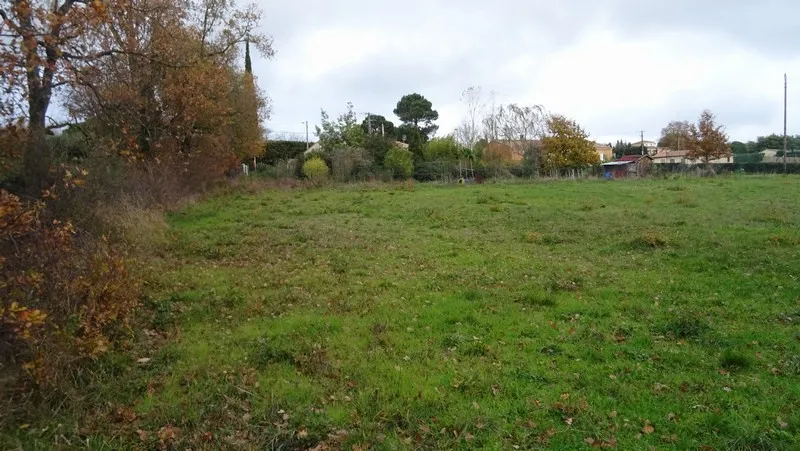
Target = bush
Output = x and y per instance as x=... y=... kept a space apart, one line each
x=65 y=296
x=315 y=169
x=428 y=171
x=351 y=164
x=441 y=149
x=400 y=162
x=748 y=157
x=275 y=151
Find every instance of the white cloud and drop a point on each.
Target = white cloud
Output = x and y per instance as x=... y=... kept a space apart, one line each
x=616 y=66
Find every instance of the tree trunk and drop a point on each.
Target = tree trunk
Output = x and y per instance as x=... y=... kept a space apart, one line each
x=36 y=163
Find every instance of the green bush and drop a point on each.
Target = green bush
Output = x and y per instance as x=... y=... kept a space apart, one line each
x=400 y=162
x=441 y=149
x=275 y=151
x=748 y=157
x=315 y=169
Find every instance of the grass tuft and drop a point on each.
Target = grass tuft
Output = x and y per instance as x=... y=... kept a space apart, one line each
x=651 y=240
x=734 y=361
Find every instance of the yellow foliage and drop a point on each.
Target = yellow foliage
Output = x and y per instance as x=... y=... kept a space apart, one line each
x=567 y=146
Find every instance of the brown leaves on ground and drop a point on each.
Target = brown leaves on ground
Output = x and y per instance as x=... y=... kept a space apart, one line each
x=648 y=428
x=123 y=414
x=167 y=435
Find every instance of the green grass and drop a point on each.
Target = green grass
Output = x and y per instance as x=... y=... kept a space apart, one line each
x=654 y=313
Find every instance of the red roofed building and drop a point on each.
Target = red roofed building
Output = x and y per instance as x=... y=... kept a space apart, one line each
x=628 y=166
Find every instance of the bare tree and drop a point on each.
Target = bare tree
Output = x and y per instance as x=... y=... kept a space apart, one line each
x=489 y=122
x=468 y=131
x=523 y=127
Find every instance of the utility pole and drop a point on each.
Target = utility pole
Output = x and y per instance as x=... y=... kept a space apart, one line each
x=306 y=122
x=785 y=137
x=642 y=142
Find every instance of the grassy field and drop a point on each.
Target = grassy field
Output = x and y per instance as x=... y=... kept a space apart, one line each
x=657 y=314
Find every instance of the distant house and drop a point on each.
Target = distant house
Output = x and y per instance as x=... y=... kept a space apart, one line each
x=650 y=147
x=667 y=156
x=604 y=151
x=628 y=166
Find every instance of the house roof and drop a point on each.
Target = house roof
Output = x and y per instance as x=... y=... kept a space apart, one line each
x=667 y=153
x=631 y=158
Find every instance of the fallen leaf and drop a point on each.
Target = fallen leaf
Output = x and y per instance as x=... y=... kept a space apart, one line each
x=475 y=405
x=143 y=360
x=168 y=433
x=302 y=433
x=207 y=436
x=648 y=428
x=143 y=435
x=468 y=437
x=495 y=389
x=24 y=426
x=569 y=421
x=565 y=396
x=727 y=389
x=380 y=437
x=589 y=441
x=612 y=414
x=782 y=423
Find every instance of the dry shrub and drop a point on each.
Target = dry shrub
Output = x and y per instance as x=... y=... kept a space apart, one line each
x=534 y=237
x=65 y=296
x=175 y=176
x=144 y=230
x=651 y=239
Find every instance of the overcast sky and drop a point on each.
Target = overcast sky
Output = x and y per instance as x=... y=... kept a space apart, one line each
x=615 y=66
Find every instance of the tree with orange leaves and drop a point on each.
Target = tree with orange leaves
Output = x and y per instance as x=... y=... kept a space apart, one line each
x=709 y=140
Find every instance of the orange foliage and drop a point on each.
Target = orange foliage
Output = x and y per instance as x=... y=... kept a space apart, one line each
x=63 y=295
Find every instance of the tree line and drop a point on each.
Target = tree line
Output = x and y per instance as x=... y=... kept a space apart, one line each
x=158 y=102
x=502 y=140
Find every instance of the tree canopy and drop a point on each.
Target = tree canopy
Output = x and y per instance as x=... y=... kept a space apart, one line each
x=677 y=135
x=414 y=109
x=345 y=131
x=709 y=140
x=567 y=145
x=379 y=125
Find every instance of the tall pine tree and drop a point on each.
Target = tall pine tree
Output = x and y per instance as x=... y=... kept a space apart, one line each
x=248 y=136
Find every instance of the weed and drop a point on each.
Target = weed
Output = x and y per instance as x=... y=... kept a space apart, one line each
x=685 y=201
x=734 y=361
x=651 y=239
x=686 y=326
x=536 y=299
x=533 y=237
x=473 y=295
